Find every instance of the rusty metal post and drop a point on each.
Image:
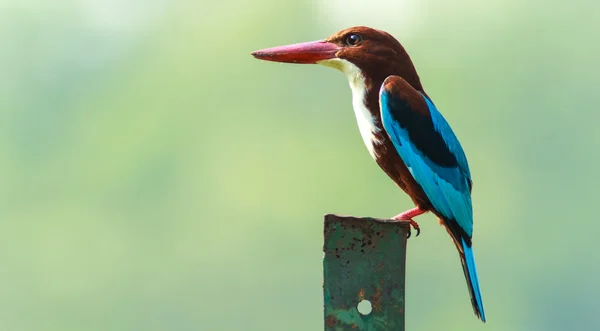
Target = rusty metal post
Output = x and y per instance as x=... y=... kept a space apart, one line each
x=363 y=270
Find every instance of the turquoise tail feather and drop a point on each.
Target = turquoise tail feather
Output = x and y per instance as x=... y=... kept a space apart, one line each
x=468 y=262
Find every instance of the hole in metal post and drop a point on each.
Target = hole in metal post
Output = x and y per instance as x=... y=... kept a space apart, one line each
x=364 y=307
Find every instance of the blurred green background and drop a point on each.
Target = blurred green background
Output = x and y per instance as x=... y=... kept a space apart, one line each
x=157 y=177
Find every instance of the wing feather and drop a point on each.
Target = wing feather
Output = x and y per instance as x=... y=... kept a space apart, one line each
x=429 y=148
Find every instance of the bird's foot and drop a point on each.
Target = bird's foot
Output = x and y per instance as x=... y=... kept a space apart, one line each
x=407 y=216
x=413 y=225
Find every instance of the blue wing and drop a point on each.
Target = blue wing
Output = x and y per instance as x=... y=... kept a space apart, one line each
x=430 y=150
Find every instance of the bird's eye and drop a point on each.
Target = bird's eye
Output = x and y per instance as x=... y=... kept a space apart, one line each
x=353 y=39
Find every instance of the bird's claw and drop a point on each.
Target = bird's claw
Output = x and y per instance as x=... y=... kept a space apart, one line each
x=413 y=225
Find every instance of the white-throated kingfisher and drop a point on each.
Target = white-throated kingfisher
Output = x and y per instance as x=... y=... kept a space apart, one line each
x=402 y=128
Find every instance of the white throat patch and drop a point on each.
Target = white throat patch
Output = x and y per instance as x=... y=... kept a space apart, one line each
x=366 y=122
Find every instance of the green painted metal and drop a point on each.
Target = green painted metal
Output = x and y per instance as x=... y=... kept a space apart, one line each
x=365 y=259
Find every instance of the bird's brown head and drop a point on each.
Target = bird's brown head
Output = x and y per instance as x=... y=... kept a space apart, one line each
x=359 y=52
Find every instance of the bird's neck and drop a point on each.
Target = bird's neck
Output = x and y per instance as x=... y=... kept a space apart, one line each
x=366 y=109
x=365 y=97
x=365 y=101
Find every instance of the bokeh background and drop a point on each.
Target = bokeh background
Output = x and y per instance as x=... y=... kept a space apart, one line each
x=156 y=177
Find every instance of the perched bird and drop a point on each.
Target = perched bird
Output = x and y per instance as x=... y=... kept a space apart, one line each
x=402 y=128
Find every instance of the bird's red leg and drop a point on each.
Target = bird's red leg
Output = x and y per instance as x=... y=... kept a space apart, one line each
x=408 y=216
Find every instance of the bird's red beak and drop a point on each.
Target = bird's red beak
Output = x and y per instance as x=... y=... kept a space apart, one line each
x=304 y=53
